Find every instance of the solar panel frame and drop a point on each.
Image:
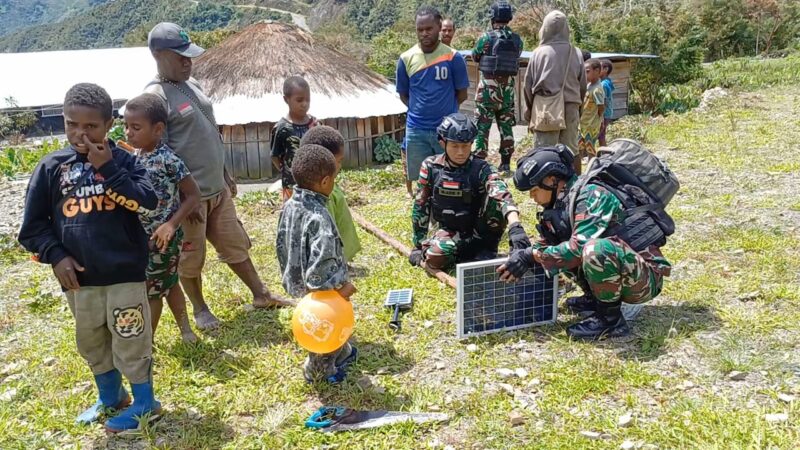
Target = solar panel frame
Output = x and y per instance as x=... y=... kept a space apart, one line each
x=404 y=295
x=466 y=275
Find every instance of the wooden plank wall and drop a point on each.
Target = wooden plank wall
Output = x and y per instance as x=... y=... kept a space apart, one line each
x=620 y=75
x=248 y=147
x=247 y=150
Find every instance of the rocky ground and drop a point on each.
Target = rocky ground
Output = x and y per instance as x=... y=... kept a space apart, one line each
x=11 y=204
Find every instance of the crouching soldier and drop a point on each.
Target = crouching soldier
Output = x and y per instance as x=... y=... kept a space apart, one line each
x=585 y=232
x=468 y=200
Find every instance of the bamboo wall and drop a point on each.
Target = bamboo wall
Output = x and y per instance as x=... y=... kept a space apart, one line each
x=620 y=75
x=248 y=147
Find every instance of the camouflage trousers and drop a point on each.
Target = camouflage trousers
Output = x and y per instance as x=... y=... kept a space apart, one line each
x=447 y=247
x=495 y=101
x=162 y=268
x=613 y=271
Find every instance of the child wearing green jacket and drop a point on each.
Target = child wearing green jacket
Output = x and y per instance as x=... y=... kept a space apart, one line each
x=337 y=203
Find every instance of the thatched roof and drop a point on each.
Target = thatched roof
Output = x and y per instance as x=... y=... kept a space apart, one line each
x=255 y=61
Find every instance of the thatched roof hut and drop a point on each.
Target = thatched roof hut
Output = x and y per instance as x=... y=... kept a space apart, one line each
x=244 y=76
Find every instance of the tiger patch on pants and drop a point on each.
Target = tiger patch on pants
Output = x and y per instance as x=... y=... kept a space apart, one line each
x=129 y=322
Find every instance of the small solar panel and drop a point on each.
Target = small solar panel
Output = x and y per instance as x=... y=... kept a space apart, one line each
x=488 y=305
x=398 y=297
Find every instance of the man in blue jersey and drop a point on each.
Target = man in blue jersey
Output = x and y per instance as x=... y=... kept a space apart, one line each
x=432 y=81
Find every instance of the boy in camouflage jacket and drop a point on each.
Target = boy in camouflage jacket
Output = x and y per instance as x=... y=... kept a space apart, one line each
x=310 y=250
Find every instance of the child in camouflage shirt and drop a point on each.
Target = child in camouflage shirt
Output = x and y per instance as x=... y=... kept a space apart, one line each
x=145 y=121
x=310 y=250
x=288 y=131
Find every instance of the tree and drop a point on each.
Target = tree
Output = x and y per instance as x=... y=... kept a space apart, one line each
x=16 y=122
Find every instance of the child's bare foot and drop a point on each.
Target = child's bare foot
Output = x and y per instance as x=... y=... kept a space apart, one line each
x=272 y=301
x=189 y=337
x=206 y=320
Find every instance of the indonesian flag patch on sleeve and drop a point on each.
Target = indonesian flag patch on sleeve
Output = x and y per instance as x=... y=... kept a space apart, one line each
x=185 y=109
x=450 y=184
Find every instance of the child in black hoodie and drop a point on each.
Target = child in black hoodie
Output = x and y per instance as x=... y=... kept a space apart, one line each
x=81 y=218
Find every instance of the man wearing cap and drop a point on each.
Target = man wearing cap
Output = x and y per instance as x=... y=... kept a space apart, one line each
x=193 y=134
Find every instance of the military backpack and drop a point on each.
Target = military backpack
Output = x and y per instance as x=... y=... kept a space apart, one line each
x=642 y=183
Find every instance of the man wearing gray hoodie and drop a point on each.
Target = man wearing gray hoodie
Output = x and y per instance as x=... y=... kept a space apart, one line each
x=546 y=74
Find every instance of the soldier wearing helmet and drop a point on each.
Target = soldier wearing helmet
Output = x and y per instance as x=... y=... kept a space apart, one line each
x=497 y=53
x=579 y=236
x=466 y=198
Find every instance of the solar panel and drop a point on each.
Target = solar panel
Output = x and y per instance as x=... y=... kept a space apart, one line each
x=400 y=297
x=488 y=305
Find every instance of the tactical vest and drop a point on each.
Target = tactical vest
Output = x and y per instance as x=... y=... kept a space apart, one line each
x=457 y=195
x=503 y=56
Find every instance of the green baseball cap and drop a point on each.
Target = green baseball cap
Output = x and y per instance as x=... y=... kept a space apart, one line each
x=170 y=36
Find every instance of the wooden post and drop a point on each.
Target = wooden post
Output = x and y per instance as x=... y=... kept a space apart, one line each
x=405 y=251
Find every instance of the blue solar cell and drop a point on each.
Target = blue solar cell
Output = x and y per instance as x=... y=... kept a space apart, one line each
x=398 y=297
x=487 y=305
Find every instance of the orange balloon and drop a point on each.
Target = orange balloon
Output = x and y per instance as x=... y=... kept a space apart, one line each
x=323 y=321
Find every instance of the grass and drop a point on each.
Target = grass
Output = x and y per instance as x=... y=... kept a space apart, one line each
x=751 y=73
x=731 y=304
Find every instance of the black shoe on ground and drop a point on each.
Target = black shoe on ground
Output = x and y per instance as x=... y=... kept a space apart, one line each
x=584 y=305
x=504 y=169
x=606 y=322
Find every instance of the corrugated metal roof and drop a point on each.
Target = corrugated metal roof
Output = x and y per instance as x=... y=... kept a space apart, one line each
x=42 y=78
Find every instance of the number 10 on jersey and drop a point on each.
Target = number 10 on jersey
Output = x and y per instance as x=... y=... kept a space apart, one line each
x=441 y=72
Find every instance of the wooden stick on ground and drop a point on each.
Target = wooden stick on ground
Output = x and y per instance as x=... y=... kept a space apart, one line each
x=404 y=250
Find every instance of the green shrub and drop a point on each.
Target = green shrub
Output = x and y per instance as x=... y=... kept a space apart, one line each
x=678 y=98
x=21 y=160
x=387 y=150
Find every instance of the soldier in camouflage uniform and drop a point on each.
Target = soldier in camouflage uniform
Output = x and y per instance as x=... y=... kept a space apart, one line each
x=494 y=99
x=606 y=267
x=310 y=250
x=465 y=196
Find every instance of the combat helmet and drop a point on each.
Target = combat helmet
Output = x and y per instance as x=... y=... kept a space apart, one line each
x=501 y=11
x=457 y=128
x=542 y=162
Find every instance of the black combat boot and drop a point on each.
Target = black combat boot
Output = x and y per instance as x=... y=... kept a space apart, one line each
x=505 y=165
x=607 y=321
x=584 y=305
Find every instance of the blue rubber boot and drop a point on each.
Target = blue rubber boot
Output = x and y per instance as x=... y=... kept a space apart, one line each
x=145 y=407
x=112 y=397
x=342 y=366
